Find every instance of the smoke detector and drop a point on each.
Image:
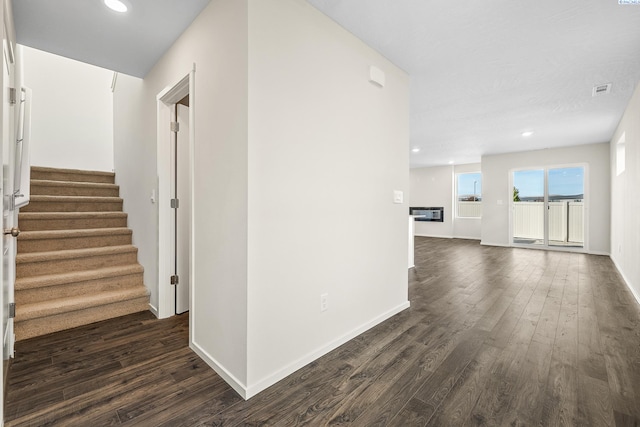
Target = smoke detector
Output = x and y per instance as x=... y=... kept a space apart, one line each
x=601 y=89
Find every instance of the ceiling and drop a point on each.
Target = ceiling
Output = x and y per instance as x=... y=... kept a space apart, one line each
x=86 y=30
x=481 y=72
x=484 y=72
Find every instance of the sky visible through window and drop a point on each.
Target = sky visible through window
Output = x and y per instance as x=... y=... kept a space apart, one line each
x=562 y=182
x=466 y=185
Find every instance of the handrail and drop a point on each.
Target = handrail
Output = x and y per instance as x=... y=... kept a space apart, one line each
x=22 y=167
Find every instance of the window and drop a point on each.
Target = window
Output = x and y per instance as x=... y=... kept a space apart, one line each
x=469 y=195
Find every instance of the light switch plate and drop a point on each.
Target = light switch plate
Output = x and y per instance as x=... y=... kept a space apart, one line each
x=398 y=196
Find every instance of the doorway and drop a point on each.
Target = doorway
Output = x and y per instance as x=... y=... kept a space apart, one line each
x=548 y=207
x=175 y=148
x=181 y=191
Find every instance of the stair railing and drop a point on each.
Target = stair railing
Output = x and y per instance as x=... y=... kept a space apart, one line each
x=22 y=168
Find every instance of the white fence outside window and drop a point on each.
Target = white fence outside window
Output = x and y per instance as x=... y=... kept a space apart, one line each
x=566 y=221
x=470 y=209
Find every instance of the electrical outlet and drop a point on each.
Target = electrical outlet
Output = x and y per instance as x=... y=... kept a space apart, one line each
x=324 y=302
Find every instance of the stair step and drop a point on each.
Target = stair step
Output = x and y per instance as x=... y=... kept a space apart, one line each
x=71 y=188
x=46 y=317
x=112 y=281
x=73 y=204
x=41 y=263
x=24 y=283
x=33 y=221
x=65 y=305
x=59 y=240
x=54 y=174
x=75 y=264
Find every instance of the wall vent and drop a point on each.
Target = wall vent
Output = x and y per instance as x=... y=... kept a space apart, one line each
x=601 y=89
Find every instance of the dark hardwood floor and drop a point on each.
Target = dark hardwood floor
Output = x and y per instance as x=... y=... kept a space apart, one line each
x=494 y=336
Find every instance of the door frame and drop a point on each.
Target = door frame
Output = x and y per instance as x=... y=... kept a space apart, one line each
x=166 y=99
x=546 y=246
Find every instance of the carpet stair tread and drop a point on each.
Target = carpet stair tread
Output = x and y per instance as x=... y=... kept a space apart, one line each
x=73 y=204
x=63 y=239
x=65 y=305
x=71 y=215
x=42 y=187
x=35 y=221
x=73 y=253
x=65 y=234
x=56 y=174
x=45 y=325
x=78 y=276
x=74 y=199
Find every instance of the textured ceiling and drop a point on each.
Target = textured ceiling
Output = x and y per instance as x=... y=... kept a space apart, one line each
x=481 y=72
x=86 y=30
x=484 y=72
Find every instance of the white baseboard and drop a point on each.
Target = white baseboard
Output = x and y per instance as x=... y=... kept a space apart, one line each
x=502 y=245
x=543 y=248
x=248 y=392
x=153 y=309
x=235 y=384
x=433 y=235
x=446 y=237
x=626 y=280
x=270 y=380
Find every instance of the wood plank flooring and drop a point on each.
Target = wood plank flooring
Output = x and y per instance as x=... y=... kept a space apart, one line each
x=494 y=336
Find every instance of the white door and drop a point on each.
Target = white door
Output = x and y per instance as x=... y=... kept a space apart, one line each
x=184 y=214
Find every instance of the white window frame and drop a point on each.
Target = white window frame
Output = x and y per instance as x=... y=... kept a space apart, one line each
x=457 y=202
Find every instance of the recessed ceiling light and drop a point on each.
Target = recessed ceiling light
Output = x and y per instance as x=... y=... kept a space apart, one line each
x=451 y=162
x=527 y=133
x=116 y=5
x=416 y=149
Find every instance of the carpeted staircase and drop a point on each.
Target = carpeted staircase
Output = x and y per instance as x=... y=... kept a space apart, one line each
x=75 y=262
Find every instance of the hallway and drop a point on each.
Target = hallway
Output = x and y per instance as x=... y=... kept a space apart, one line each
x=494 y=336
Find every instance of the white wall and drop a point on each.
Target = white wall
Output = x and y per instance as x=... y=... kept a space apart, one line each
x=72 y=112
x=217 y=43
x=625 y=203
x=496 y=191
x=436 y=186
x=326 y=151
x=283 y=114
x=137 y=177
